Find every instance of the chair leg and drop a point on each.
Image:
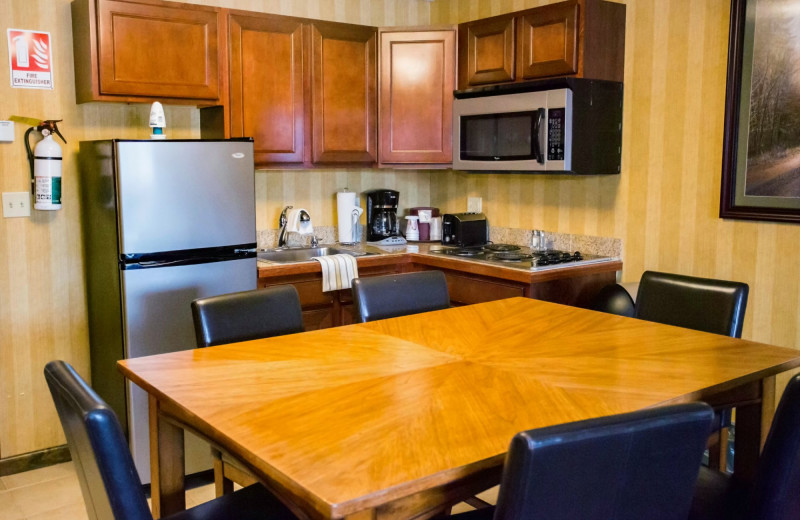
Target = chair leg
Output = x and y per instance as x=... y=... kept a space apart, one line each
x=477 y=503
x=718 y=451
x=222 y=484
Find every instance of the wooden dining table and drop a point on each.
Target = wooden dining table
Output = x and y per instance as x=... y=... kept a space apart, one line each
x=402 y=418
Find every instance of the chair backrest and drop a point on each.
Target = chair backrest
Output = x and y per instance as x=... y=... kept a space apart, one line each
x=109 y=482
x=703 y=304
x=776 y=490
x=631 y=466
x=389 y=296
x=614 y=299
x=247 y=315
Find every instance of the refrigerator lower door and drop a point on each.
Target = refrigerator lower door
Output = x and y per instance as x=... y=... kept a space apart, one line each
x=157 y=319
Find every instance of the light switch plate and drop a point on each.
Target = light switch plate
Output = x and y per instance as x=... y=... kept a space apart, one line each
x=6 y=131
x=474 y=204
x=16 y=204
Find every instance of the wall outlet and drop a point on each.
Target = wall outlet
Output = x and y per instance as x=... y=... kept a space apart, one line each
x=16 y=204
x=474 y=204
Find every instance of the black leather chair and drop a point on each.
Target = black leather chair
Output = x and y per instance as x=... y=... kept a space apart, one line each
x=626 y=467
x=774 y=494
x=109 y=482
x=247 y=315
x=704 y=304
x=389 y=296
x=614 y=299
x=243 y=316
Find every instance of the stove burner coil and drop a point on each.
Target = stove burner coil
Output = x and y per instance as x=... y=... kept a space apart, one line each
x=510 y=257
x=500 y=247
x=467 y=252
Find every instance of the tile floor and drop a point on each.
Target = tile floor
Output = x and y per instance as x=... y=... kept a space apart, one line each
x=54 y=492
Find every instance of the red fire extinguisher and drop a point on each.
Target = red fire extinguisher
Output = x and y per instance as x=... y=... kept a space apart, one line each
x=45 y=163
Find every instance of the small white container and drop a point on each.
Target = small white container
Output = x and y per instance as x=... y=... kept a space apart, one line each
x=412 y=227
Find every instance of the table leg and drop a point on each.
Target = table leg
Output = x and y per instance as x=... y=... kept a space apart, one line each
x=167 y=488
x=752 y=426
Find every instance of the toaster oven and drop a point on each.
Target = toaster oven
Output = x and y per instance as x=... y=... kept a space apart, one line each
x=464 y=229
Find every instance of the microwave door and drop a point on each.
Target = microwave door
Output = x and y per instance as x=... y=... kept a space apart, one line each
x=501 y=133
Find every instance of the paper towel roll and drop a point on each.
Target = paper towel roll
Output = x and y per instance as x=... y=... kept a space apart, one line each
x=345 y=202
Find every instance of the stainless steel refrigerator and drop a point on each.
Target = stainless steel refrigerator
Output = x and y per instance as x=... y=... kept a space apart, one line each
x=164 y=223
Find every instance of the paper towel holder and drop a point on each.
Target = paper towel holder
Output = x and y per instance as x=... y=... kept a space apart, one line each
x=349 y=212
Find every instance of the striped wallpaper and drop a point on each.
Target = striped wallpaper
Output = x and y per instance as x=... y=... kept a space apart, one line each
x=664 y=204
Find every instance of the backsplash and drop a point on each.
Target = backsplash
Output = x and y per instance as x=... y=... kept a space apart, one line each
x=603 y=246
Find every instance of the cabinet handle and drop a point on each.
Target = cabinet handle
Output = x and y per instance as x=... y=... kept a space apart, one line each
x=538 y=134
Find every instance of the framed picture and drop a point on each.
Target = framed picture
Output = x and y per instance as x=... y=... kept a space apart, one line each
x=761 y=146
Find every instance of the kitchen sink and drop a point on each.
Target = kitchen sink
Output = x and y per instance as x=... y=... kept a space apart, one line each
x=304 y=254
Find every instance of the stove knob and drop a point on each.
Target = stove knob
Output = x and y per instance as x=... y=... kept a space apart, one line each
x=577 y=256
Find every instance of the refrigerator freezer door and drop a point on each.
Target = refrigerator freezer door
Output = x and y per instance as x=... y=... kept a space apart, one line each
x=175 y=195
x=158 y=319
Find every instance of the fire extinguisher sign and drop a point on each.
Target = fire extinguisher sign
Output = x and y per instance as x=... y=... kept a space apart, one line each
x=31 y=58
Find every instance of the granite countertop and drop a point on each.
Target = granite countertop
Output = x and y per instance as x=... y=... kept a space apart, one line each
x=601 y=246
x=419 y=253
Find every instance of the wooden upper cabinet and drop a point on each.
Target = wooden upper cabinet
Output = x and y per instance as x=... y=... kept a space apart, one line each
x=581 y=38
x=267 y=99
x=146 y=49
x=547 y=43
x=344 y=93
x=487 y=51
x=417 y=77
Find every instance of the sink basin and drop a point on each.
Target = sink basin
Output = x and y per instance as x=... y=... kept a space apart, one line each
x=304 y=254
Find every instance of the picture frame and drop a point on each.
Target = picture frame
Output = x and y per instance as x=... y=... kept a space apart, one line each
x=758 y=182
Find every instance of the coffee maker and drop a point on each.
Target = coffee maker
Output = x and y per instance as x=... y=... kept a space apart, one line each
x=382 y=216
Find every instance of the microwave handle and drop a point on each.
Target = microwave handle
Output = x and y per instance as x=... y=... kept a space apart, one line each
x=538 y=131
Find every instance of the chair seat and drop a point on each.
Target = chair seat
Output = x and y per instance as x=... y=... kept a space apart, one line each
x=249 y=503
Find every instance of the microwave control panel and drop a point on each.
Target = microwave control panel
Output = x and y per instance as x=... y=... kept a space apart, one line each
x=555 y=134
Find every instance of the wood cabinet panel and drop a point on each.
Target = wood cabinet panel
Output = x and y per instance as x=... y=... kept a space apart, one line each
x=466 y=290
x=547 y=43
x=344 y=93
x=311 y=294
x=582 y=38
x=487 y=51
x=572 y=290
x=157 y=49
x=417 y=77
x=318 y=319
x=267 y=99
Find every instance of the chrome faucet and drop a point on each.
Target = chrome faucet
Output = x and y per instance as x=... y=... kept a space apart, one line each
x=283 y=221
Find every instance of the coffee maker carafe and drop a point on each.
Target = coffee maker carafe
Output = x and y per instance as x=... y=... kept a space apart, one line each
x=382 y=215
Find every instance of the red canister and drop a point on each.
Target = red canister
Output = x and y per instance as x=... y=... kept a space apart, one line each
x=425 y=215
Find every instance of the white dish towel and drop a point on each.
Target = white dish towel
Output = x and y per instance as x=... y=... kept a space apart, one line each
x=294 y=224
x=338 y=271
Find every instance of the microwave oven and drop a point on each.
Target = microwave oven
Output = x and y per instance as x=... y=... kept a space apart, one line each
x=563 y=125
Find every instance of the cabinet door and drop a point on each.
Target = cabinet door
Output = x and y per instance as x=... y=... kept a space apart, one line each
x=466 y=290
x=548 y=41
x=344 y=93
x=158 y=50
x=417 y=74
x=266 y=86
x=486 y=51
